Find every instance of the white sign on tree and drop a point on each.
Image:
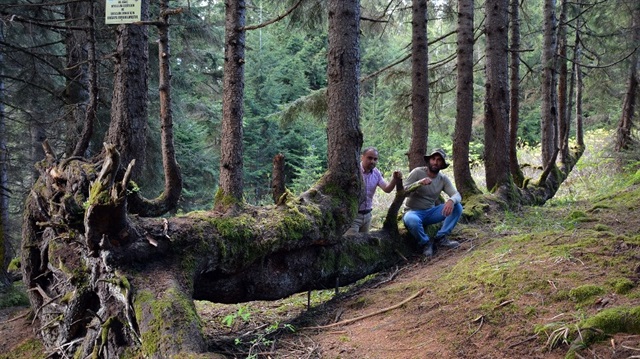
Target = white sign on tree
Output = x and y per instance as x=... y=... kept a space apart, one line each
x=122 y=11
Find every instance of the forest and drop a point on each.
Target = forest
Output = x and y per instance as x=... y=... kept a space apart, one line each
x=210 y=150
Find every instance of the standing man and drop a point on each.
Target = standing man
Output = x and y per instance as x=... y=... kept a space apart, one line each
x=421 y=203
x=372 y=179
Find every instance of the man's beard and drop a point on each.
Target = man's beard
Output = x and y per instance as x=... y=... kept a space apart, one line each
x=434 y=169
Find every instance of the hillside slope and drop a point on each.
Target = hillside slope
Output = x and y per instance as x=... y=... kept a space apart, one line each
x=547 y=282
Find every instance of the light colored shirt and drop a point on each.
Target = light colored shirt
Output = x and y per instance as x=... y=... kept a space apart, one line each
x=425 y=196
x=372 y=180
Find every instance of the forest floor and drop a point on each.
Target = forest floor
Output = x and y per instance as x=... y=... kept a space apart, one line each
x=518 y=287
x=523 y=284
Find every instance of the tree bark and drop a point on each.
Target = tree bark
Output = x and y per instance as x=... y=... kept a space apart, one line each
x=514 y=93
x=277 y=177
x=129 y=114
x=419 y=85
x=168 y=200
x=577 y=57
x=564 y=122
x=92 y=106
x=5 y=245
x=549 y=117
x=624 y=140
x=464 y=101
x=230 y=193
x=344 y=138
x=76 y=94
x=496 y=105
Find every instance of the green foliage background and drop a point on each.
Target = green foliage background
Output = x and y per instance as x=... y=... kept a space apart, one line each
x=285 y=79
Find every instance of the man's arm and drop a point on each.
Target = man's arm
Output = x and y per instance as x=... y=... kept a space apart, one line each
x=397 y=175
x=451 y=191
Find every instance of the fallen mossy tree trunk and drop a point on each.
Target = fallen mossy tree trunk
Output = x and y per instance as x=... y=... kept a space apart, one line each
x=109 y=284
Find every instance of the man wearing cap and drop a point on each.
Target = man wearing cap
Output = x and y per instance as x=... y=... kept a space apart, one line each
x=372 y=179
x=421 y=203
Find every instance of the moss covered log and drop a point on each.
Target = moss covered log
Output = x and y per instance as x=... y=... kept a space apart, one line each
x=107 y=284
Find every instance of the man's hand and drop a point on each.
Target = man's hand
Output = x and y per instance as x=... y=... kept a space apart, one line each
x=397 y=175
x=448 y=208
x=425 y=181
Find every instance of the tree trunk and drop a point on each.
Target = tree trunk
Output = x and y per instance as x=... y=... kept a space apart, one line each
x=572 y=85
x=128 y=127
x=419 y=85
x=76 y=94
x=168 y=200
x=344 y=138
x=579 y=86
x=564 y=122
x=624 y=140
x=464 y=101
x=92 y=107
x=38 y=136
x=549 y=117
x=496 y=105
x=278 y=179
x=230 y=194
x=514 y=100
x=5 y=245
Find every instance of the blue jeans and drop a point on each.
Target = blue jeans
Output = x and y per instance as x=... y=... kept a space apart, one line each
x=416 y=219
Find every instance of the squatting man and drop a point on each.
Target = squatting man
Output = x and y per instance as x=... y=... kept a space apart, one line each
x=421 y=203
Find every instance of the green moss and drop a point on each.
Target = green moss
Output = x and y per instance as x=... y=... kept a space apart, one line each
x=104 y=337
x=561 y=295
x=123 y=283
x=578 y=216
x=634 y=179
x=585 y=292
x=156 y=314
x=596 y=208
x=475 y=207
x=605 y=323
x=14 y=265
x=293 y=224
x=132 y=353
x=601 y=227
x=97 y=195
x=222 y=200
x=622 y=285
x=67 y=297
x=240 y=228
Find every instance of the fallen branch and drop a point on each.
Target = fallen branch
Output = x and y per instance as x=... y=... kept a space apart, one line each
x=533 y=337
x=348 y=321
x=481 y=320
x=391 y=277
x=16 y=318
